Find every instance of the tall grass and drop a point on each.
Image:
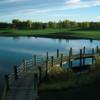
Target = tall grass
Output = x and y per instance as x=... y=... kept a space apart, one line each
x=59 y=78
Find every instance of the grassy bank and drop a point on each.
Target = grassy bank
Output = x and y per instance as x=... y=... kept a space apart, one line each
x=65 y=84
x=60 y=79
x=54 y=33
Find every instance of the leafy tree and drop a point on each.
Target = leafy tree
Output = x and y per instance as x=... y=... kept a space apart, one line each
x=15 y=23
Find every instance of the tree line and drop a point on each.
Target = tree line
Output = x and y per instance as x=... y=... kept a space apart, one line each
x=17 y=24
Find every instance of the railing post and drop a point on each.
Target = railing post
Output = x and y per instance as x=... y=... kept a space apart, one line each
x=7 y=82
x=71 y=64
x=61 y=60
x=15 y=73
x=97 y=49
x=80 y=57
x=71 y=51
x=84 y=49
x=47 y=56
x=57 y=53
x=34 y=60
x=52 y=58
x=92 y=55
x=46 y=64
x=46 y=74
x=69 y=59
x=35 y=81
x=40 y=74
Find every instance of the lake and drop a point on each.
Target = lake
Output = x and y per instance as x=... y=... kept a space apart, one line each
x=14 y=49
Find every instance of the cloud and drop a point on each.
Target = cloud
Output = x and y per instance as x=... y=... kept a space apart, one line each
x=31 y=11
x=98 y=17
x=10 y=1
x=73 y=4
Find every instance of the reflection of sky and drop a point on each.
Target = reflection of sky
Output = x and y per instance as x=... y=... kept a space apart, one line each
x=76 y=63
x=13 y=50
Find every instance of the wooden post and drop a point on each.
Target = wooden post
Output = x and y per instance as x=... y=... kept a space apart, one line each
x=40 y=74
x=46 y=74
x=84 y=49
x=46 y=65
x=71 y=51
x=61 y=60
x=52 y=58
x=15 y=73
x=80 y=57
x=35 y=81
x=92 y=55
x=97 y=49
x=47 y=56
x=71 y=64
x=34 y=60
x=69 y=58
x=7 y=82
x=57 y=53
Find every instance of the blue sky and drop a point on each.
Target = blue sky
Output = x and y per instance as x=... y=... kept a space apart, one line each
x=50 y=10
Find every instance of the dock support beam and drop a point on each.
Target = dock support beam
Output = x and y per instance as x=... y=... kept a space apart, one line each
x=52 y=58
x=80 y=57
x=69 y=59
x=84 y=49
x=71 y=51
x=97 y=49
x=57 y=53
x=61 y=60
x=92 y=55
x=46 y=73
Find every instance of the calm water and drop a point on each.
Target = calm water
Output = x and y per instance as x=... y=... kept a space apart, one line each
x=13 y=50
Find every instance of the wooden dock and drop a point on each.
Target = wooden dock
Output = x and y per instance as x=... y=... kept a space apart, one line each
x=23 y=83
x=23 y=88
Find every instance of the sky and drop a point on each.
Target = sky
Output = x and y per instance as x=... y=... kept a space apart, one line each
x=50 y=10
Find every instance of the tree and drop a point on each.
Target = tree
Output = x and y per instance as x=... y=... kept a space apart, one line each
x=15 y=23
x=51 y=24
x=28 y=24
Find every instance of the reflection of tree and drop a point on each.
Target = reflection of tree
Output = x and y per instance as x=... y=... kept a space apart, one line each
x=67 y=41
x=16 y=38
x=91 y=41
x=60 y=40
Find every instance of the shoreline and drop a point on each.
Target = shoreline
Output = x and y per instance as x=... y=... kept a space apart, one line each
x=48 y=36
x=53 y=33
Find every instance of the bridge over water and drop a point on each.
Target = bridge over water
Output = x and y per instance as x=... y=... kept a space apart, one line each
x=23 y=83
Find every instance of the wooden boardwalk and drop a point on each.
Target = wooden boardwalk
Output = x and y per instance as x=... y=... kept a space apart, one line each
x=23 y=83
x=23 y=88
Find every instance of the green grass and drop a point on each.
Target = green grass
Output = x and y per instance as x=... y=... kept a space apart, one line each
x=56 y=33
x=87 y=33
x=30 y=32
